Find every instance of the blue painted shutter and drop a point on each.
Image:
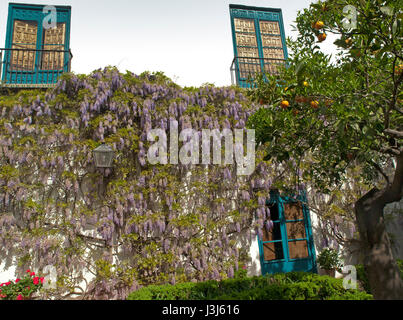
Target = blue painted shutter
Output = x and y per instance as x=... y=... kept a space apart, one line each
x=288 y=246
x=258 y=40
x=25 y=31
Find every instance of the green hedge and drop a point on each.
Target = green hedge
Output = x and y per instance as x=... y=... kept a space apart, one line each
x=363 y=277
x=290 y=286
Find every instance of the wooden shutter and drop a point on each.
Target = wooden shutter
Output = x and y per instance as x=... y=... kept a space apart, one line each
x=272 y=45
x=54 y=39
x=25 y=35
x=295 y=223
x=247 y=48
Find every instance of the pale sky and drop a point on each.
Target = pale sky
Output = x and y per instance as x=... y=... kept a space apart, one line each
x=189 y=40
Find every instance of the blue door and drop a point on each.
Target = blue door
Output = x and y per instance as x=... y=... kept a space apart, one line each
x=287 y=243
x=36 y=53
x=259 y=41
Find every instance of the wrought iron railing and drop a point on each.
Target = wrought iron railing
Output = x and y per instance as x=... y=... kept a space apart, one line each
x=32 y=67
x=243 y=68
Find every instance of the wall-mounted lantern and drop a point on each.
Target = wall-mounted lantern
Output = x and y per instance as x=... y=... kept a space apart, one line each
x=103 y=156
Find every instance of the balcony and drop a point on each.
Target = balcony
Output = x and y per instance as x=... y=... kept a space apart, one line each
x=32 y=68
x=244 y=67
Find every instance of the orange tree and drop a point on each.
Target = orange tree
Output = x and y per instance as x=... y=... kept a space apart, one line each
x=344 y=111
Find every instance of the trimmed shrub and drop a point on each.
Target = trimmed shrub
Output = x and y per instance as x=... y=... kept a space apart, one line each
x=290 y=286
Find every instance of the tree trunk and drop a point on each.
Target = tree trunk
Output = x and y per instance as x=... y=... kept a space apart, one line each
x=383 y=272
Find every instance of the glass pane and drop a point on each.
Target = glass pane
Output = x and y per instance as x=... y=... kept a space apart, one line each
x=296 y=230
x=248 y=52
x=246 y=40
x=244 y=25
x=271 y=27
x=55 y=36
x=53 y=39
x=273 y=53
x=274 y=234
x=293 y=211
x=273 y=251
x=298 y=249
x=272 y=41
x=24 y=37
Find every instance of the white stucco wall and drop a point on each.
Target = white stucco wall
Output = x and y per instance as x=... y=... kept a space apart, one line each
x=6 y=274
x=254 y=269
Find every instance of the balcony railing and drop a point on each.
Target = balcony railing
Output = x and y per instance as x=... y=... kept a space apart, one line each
x=24 y=67
x=243 y=68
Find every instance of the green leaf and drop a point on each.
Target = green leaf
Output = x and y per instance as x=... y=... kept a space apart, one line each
x=341 y=43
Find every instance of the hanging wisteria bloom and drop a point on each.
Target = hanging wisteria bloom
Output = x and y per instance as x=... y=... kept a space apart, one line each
x=166 y=222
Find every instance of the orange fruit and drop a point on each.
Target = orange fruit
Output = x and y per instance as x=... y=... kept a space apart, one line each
x=305 y=84
x=349 y=41
x=314 y=104
x=284 y=104
x=399 y=69
x=319 y=25
x=322 y=37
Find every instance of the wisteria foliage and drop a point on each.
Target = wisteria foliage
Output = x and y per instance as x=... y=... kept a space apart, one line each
x=108 y=232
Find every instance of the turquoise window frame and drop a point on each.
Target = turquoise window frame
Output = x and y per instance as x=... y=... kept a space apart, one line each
x=32 y=12
x=286 y=264
x=257 y=14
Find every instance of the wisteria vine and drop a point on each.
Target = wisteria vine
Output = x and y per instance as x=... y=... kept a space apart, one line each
x=134 y=224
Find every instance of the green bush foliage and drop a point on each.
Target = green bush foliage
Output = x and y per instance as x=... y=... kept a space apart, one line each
x=290 y=286
x=329 y=259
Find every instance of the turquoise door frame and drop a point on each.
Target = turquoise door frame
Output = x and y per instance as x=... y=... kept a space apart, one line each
x=257 y=14
x=286 y=264
x=30 y=12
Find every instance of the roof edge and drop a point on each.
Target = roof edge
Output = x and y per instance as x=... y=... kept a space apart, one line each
x=15 y=4
x=239 y=6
